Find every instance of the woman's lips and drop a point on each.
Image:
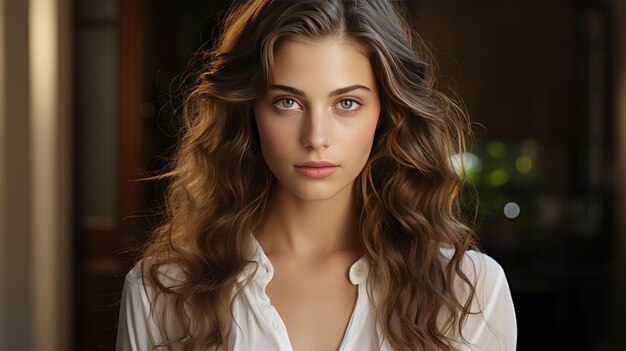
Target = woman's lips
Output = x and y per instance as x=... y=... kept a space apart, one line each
x=316 y=172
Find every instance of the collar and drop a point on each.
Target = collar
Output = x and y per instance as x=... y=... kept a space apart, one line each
x=357 y=273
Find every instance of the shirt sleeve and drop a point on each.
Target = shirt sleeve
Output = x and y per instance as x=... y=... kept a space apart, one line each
x=133 y=332
x=494 y=327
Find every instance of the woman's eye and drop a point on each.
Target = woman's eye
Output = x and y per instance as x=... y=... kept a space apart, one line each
x=348 y=105
x=287 y=104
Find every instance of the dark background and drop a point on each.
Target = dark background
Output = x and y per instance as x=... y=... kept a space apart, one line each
x=535 y=76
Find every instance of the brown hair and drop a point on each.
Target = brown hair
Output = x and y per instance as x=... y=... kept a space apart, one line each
x=407 y=192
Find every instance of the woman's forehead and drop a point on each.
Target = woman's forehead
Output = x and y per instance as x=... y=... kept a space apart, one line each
x=320 y=64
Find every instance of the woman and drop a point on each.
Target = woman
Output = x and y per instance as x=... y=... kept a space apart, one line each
x=312 y=203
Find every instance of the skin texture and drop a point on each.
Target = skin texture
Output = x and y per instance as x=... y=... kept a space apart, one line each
x=309 y=229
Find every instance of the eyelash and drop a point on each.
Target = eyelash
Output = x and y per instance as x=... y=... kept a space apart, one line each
x=352 y=99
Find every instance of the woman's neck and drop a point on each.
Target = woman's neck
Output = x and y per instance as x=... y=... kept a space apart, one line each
x=293 y=226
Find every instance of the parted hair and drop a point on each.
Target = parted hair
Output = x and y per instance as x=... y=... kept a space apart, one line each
x=218 y=185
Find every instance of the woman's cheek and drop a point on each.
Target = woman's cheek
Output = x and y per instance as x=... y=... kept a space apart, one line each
x=275 y=140
x=277 y=134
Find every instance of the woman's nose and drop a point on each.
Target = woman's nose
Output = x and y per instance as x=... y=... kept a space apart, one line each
x=316 y=129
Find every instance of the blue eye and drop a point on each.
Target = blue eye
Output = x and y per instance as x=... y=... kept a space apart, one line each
x=287 y=104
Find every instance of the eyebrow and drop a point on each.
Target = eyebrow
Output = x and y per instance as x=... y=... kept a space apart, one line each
x=335 y=92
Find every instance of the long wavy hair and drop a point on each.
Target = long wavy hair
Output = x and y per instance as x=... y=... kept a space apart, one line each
x=406 y=195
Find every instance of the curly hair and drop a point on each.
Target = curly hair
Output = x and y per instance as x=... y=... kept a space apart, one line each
x=406 y=195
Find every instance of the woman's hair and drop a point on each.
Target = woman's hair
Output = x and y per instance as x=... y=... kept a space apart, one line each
x=406 y=195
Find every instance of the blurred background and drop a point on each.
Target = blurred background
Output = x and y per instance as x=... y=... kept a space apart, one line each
x=85 y=93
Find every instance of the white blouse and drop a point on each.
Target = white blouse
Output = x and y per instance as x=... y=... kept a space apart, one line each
x=258 y=326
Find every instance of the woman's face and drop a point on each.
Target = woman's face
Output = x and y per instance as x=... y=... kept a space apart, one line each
x=317 y=120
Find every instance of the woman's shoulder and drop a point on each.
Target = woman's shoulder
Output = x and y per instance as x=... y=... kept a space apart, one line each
x=141 y=305
x=476 y=265
x=168 y=274
x=140 y=289
x=492 y=322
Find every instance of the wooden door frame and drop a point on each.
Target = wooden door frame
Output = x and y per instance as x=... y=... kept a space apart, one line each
x=100 y=249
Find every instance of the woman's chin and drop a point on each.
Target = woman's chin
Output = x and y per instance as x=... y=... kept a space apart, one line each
x=317 y=192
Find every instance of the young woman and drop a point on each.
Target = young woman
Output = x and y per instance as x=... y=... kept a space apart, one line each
x=313 y=201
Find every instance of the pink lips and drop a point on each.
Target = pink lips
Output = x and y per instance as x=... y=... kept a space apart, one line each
x=314 y=169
